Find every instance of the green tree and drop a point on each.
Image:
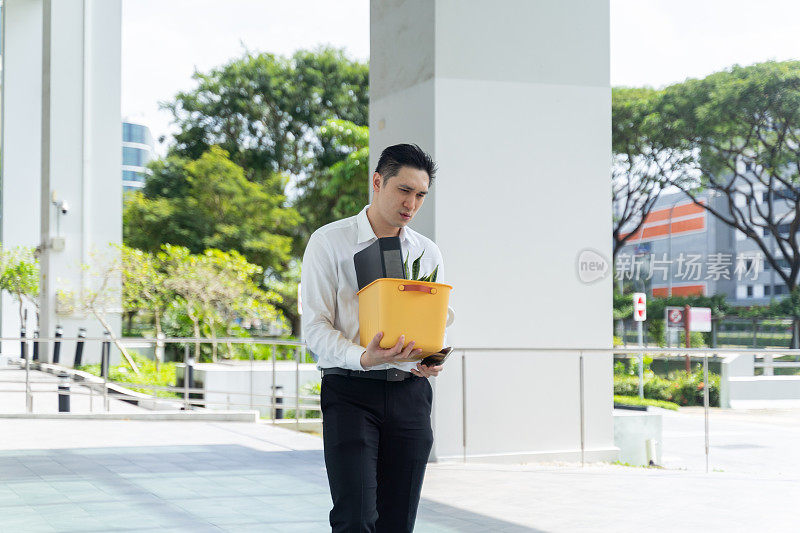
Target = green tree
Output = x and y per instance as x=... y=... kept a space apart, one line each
x=215 y=207
x=300 y=115
x=19 y=276
x=636 y=180
x=742 y=127
x=341 y=189
x=144 y=287
x=101 y=295
x=263 y=109
x=215 y=288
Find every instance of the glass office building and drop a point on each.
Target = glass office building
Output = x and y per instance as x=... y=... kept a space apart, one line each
x=137 y=152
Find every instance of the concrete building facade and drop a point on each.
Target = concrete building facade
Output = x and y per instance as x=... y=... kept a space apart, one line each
x=61 y=157
x=682 y=249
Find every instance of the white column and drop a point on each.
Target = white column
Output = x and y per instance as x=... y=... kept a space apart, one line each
x=73 y=149
x=21 y=143
x=512 y=99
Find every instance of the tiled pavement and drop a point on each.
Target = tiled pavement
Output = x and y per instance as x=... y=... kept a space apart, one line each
x=236 y=477
x=92 y=475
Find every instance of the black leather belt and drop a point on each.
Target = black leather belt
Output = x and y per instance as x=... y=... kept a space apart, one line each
x=387 y=374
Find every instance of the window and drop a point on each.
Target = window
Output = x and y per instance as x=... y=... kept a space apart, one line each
x=132 y=175
x=767 y=290
x=134 y=133
x=135 y=157
x=749 y=291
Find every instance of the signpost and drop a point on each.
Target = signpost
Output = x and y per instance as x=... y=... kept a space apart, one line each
x=689 y=319
x=640 y=315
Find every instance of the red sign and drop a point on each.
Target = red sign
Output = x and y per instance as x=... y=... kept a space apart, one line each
x=639 y=307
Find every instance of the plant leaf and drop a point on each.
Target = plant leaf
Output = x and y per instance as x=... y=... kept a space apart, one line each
x=432 y=277
x=415 y=267
x=405 y=266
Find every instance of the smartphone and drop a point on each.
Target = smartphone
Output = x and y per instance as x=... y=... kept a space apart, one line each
x=437 y=358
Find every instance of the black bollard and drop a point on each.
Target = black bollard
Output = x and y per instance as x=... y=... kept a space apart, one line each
x=79 y=348
x=190 y=373
x=104 y=356
x=36 y=345
x=56 y=345
x=278 y=400
x=63 y=392
x=23 y=344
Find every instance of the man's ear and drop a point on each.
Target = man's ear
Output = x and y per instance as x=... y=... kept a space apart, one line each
x=377 y=181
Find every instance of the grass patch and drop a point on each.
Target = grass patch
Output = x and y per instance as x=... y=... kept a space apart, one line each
x=163 y=376
x=635 y=400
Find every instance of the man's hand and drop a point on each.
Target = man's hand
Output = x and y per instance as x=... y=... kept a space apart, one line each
x=425 y=371
x=375 y=355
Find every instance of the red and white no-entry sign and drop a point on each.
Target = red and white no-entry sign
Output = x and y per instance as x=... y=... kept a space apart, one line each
x=639 y=307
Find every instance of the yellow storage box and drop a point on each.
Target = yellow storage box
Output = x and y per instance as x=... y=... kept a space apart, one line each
x=416 y=309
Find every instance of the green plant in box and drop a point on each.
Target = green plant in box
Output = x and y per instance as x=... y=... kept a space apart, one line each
x=415 y=270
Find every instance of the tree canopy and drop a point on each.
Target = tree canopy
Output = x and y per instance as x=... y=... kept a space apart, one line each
x=265 y=110
x=735 y=135
x=208 y=203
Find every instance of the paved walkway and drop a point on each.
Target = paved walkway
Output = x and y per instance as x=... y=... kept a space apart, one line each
x=92 y=475
x=763 y=441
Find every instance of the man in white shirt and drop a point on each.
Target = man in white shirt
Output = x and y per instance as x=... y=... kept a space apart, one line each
x=376 y=403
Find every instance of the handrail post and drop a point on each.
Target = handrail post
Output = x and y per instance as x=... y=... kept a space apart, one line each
x=105 y=360
x=251 y=375
x=272 y=405
x=28 y=392
x=464 y=403
x=582 y=415
x=705 y=402
x=186 y=378
x=297 y=390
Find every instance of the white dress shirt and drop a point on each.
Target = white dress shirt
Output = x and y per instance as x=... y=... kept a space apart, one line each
x=329 y=287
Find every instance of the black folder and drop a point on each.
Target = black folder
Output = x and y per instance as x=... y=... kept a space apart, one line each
x=381 y=259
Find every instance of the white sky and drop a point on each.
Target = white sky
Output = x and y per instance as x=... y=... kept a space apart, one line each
x=163 y=41
x=653 y=42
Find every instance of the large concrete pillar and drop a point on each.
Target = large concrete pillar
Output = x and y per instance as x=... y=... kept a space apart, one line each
x=512 y=98
x=62 y=131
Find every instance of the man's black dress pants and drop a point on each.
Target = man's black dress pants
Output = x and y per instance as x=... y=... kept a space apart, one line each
x=377 y=436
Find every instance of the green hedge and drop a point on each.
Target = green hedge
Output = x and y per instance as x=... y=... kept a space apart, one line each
x=681 y=388
x=635 y=400
x=162 y=375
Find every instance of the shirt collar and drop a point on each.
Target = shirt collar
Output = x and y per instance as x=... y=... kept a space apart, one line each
x=365 y=232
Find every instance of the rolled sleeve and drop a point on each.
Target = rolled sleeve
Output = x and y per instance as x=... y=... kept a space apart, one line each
x=353 y=358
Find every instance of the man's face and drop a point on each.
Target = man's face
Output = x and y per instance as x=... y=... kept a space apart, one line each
x=399 y=199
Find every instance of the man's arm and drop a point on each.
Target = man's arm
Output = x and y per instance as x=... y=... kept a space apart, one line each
x=319 y=281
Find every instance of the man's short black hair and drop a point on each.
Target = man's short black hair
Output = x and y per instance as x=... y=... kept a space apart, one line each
x=405 y=155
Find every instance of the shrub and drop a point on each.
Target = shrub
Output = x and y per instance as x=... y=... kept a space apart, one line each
x=162 y=375
x=635 y=400
x=681 y=388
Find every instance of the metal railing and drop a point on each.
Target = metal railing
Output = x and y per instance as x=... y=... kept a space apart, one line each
x=704 y=354
x=186 y=397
